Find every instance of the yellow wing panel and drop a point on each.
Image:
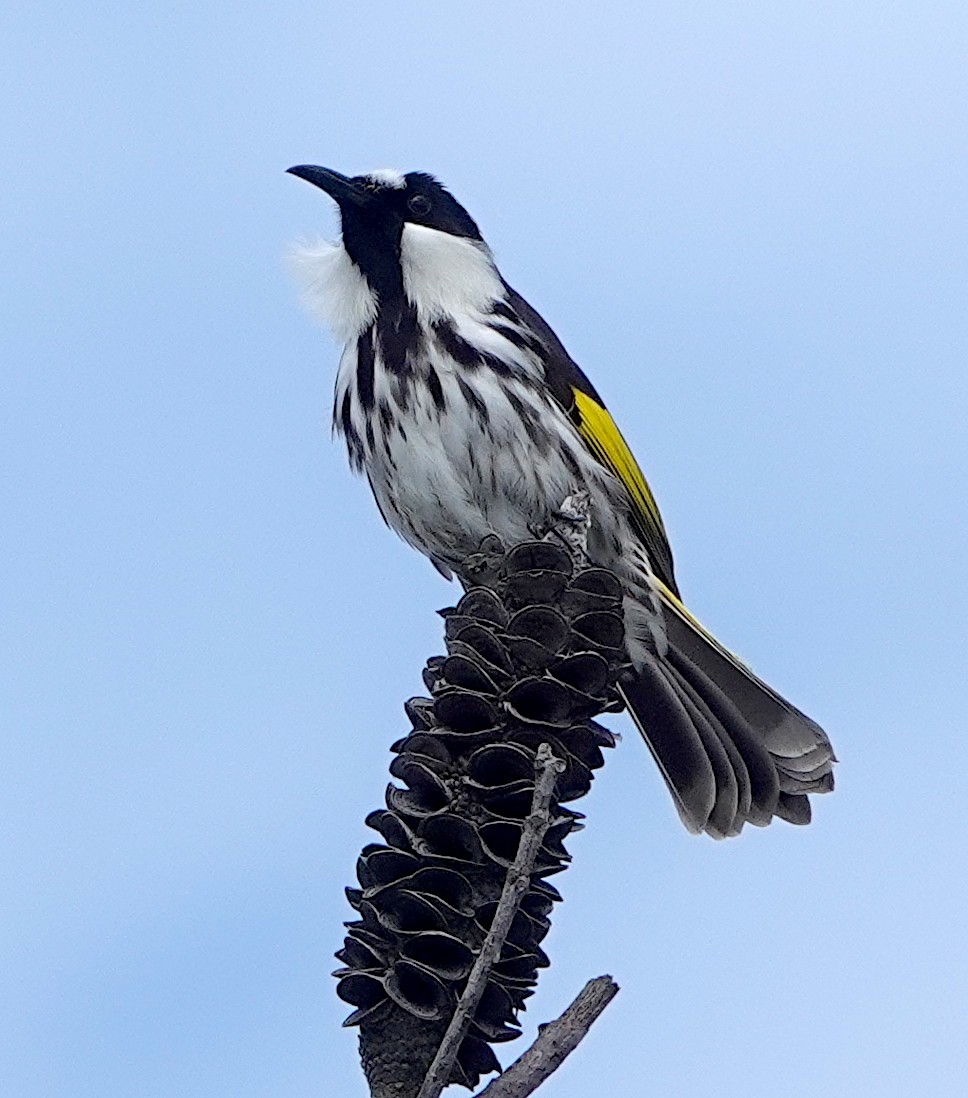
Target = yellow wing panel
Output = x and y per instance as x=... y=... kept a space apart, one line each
x=603 y=438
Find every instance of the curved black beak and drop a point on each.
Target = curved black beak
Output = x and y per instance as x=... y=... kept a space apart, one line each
x=340 y=188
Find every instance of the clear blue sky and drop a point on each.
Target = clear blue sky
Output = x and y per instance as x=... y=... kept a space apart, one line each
x=748 y=222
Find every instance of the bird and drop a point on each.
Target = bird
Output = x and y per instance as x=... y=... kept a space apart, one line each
x=469 y=418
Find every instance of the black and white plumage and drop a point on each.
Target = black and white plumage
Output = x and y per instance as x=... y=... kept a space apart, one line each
x=469 y=418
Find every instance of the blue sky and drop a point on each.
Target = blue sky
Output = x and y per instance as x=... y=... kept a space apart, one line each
x=748 y=222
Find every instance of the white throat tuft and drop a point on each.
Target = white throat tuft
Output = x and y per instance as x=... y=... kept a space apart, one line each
x=445 y=274
x=334 y=289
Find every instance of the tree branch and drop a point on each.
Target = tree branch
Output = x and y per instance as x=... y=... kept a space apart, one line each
x=547 y=766
x=555 y=1041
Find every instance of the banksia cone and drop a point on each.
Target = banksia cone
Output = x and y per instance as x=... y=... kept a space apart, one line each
x=533 y=651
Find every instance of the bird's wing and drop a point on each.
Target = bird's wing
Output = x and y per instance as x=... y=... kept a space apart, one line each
x=603 y=438
x=586 y=409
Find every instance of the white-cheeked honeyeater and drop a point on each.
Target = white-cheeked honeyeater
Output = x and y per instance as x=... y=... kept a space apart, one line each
x=469 y=418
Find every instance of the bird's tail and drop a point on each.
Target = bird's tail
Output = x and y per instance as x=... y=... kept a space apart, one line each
x=729 y=747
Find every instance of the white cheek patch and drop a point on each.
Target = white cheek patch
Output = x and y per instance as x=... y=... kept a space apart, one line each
x=334 y=289
x=445 y=274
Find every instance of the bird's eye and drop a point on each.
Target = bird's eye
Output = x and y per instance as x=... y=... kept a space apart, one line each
x=419 y=204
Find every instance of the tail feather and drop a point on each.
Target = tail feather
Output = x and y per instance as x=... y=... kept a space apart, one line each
x=761 y=770
x=674 y=742
x=737 y=807
x=794 y=808
x=731 y=750
x=714 y=742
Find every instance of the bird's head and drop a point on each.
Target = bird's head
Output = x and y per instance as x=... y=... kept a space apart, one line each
x=409 y=239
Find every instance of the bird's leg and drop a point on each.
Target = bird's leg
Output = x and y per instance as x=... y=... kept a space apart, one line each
x=570 y=525
x=481 y=569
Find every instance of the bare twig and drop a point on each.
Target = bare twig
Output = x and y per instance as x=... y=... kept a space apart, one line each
x=555 y=1041
x=547 y=767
